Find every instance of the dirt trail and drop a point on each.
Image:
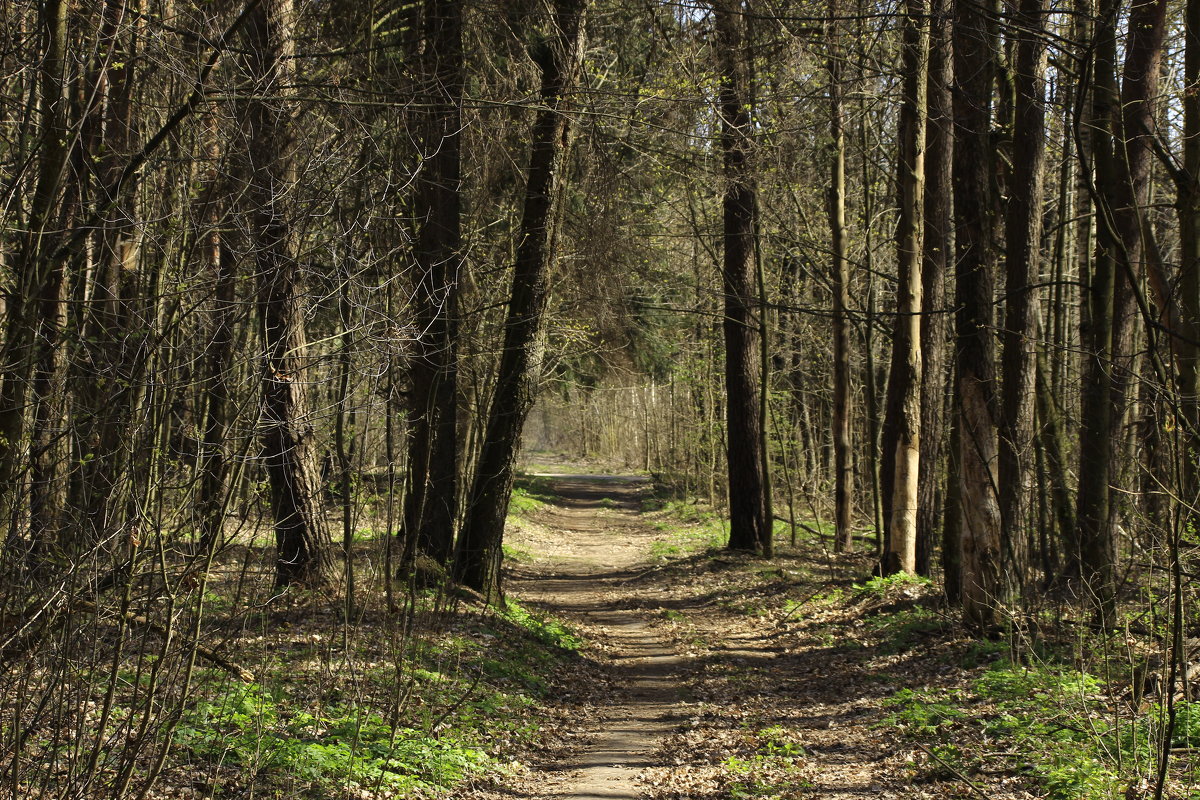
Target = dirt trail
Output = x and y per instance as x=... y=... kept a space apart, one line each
x=599 y=546
x=709 y=698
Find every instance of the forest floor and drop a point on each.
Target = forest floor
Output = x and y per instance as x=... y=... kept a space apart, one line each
x=708 y=674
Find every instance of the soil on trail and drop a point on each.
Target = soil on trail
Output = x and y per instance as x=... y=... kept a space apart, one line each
x=701 y=698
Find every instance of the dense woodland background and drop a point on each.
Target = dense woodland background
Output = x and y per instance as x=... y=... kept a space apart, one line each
x=285 y=283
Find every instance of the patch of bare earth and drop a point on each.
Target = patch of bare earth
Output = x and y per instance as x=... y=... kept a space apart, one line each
x=726 y=676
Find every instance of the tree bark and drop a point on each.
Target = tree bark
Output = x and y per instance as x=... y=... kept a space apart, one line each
x=34 y=267
x=431 y=504
x=302 y=540
x=1089 y=554
x=1023 y=231
x=842 y=406
x=905 y=401
x=478 y=554
x=105 y=369
x=974 y=70
x=934 y=327
x=1187 y=203
x=749 y=528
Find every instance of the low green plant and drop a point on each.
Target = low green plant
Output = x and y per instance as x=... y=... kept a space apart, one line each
x=880 y=586
x=545 y=629
x=340 y=746
x=775 y=741
x=1050 y=721
x=906 y=629
x=921 y=716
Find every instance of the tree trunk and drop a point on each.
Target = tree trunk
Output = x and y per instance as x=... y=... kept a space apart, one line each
x=431 y=504
x=974 y=69
x=477 y=560
x=934 y=328
x=749 y=529
x=1023 y=231
x=1187 y=203
x=218 y=357
x=303 y=546
x=105 y=367
x=1091 y=554
x=905 y=401
x=842 y=405
x=33 y=266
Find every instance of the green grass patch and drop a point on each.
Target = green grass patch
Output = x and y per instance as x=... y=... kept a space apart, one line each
x=521 y=503
x=517 y=554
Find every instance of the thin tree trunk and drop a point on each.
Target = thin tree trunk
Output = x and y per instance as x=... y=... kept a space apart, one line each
x=842 y=408
x=1187 y=203
x=218 y=357
x=934 y=327
x=905 y=401
x=106 y=379
x=33 y=266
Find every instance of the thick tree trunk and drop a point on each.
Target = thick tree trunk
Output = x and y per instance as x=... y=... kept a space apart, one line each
x=1023 y=231
x=431 y=503
x=905 y=401
x=1090 y=554
x=749 y=528
x=303 y=546
x=477 y=559
x=974 y=69
x=1122 y=131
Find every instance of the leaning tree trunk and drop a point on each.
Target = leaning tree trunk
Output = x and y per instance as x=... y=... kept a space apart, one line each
x=431 y=503
x=905 y=400
x=477 y=560
x=749 y=529
x=303 y=547
x=974 y=68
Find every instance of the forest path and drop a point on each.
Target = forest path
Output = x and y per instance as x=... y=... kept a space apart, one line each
x=709 y=683
x=598 y=544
